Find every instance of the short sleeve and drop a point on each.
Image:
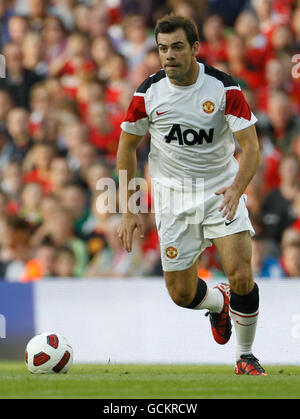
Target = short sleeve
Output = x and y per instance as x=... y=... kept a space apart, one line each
x=237 y=111
x=136 y=120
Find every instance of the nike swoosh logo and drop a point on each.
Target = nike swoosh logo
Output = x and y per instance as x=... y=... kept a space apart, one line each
x=230 y=222
x=161 y=113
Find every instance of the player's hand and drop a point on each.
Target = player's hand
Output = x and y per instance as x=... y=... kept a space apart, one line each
x=231 y=198
x=126 y=229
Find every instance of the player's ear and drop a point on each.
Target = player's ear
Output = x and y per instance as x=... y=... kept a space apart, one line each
x=195 y=48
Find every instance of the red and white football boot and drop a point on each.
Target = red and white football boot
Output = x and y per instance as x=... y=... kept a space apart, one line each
x=220 y=322
x=249 y=365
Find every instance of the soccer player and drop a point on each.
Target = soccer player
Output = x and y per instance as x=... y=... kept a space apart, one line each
x=192 y=111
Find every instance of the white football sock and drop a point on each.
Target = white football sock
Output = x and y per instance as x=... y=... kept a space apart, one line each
x=245 y=328
x=213 y=301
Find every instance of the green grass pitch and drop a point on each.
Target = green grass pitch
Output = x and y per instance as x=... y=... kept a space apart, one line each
x=148 y=382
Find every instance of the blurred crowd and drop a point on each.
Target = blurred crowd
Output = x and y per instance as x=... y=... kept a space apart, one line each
x=71 y=69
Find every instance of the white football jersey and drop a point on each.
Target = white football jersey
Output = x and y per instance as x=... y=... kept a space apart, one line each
x=191 y=127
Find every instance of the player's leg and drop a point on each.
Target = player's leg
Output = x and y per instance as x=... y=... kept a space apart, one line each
x=181 y=242
x=189 y=291
x=235 y=251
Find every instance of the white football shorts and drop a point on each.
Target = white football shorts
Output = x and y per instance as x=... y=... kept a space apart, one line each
x=186 y=225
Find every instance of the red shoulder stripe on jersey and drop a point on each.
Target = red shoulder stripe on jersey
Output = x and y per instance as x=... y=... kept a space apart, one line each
x=136 y=109
x=236 y=104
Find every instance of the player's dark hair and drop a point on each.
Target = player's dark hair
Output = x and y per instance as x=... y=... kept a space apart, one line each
x=170 y=23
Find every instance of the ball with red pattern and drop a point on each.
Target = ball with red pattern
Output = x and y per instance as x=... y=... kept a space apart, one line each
x=48 y=353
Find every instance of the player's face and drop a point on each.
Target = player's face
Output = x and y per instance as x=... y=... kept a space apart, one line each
x=178 y=57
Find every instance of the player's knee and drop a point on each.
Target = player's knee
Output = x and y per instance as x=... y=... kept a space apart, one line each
x=182 y=286
x=180 y=297
x=241 y=281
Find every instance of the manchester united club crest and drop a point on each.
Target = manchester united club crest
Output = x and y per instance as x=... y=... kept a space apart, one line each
x=208 y=106
x=171 y=252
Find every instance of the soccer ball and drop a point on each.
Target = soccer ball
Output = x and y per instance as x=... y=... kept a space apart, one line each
x=48 y=353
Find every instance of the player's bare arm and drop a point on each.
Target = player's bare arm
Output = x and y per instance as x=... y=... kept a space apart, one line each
x=249 y=160
x=126 y=160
